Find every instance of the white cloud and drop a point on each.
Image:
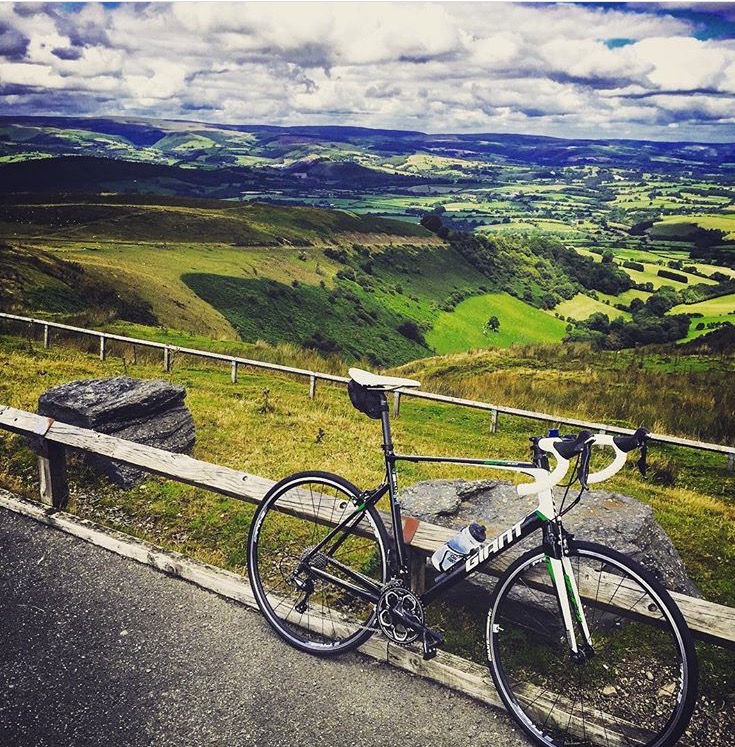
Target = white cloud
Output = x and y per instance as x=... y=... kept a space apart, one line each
x=682 y=63
x=553 y=69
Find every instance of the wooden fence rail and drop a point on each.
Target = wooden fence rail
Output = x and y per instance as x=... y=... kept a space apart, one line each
x=710 y=621
x=235 y=362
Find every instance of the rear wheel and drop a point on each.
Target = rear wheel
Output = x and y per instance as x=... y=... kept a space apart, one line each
x=320 y=598
x=639 y=687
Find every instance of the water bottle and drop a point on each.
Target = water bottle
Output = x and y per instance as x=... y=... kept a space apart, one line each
x=459 y=547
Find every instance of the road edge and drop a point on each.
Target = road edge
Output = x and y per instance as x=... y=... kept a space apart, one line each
x=446 y=669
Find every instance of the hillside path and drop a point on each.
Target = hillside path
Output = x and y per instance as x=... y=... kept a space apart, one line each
x=98 y=650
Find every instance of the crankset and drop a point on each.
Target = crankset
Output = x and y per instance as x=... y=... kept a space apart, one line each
x=401 y=618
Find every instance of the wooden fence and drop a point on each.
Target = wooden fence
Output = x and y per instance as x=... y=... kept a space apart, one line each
x=235 y=362
x=707 y=620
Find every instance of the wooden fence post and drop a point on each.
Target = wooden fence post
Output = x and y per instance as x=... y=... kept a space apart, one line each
x=396 y=404
x=731 y=462
x=494 y=420
x=52 y=474
x=312 y=386
x=103 y=350
x=166 y=359
x=417 y=570
x=233 y=372
x=46 y=340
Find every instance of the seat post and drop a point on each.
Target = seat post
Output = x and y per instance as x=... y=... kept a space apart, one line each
x=385 y=420
x=401 y=560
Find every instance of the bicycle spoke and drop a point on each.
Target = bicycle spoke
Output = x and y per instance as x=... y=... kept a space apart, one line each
x=316 y=582
x=625 y=695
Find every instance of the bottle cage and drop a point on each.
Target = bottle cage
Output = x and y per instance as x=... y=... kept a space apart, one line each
x=367 y=401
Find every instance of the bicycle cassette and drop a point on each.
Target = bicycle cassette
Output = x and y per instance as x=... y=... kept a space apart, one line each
x=400 y=613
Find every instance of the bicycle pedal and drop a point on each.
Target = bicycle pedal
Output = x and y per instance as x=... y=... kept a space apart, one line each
x=431 y=641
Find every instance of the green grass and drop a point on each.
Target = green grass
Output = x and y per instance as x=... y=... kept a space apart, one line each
x=582 y=307
x=650 y=275
x=710 y=307
x=714 y=311
x=625 y=297
x=333 y=321
x=680 y=225
x=520 y=323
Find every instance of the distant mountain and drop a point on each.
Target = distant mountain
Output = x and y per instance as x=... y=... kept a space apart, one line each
x=258 y=147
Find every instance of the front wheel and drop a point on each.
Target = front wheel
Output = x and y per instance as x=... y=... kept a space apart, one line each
x=639 y=687
x=317 y=587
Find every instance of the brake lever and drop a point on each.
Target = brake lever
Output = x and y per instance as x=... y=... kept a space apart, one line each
x=583 y=469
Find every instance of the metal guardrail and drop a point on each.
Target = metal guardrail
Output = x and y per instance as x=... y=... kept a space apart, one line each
x=314 y=376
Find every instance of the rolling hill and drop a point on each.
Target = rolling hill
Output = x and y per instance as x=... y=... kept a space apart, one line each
x=359 y=286
x=198 y=220
x=193 y=142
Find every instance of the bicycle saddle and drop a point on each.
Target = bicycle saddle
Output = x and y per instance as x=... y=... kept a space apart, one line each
x=380 y=383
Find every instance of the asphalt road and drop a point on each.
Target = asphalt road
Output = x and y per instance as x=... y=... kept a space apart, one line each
x=99 y=650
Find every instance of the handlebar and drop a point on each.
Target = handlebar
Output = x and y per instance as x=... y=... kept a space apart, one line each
x=567 y=448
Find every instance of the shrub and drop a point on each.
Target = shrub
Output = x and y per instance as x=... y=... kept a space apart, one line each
x=633 y=265
x=670 y=275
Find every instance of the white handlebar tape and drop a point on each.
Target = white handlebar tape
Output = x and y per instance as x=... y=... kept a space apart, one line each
x=562 y=465
x=615 y=466
x=553 y=478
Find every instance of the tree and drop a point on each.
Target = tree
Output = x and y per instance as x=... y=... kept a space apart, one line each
x=492 y=324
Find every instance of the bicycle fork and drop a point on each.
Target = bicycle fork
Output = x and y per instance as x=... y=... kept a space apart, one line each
x=556 y=547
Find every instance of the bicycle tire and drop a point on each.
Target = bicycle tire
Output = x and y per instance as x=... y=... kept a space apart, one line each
x=638 y=689
x=333 y=617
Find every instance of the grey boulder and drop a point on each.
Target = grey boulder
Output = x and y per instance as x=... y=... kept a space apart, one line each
x=150 y=412
x=611 y=519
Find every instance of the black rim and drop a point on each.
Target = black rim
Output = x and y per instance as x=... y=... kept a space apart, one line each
x=635 y=678
x=319 y=597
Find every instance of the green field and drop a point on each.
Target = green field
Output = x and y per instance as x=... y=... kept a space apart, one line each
x=676 y=225
x=582 y=307
x=711 y=307
x=625 y=297
x=463 y=328
x=714 y=311
x=650 y=275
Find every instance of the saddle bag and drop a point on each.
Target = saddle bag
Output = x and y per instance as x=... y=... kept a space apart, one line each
x=367 y=401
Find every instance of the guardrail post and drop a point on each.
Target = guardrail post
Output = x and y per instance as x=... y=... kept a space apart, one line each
x=396 y=403
x=233 y=372
x=731 y=462
x=103 y=350
x=52 y=474
x=166 y=359
x=312 y=386
x=494 y=420
x=46 y=336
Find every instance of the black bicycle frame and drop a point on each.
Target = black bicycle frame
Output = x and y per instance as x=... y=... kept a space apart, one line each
x=464 y=567
x=456 y=573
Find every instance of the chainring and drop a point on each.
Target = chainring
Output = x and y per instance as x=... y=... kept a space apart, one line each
x=396 y=598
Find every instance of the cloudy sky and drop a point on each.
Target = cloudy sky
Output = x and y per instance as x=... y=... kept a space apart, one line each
x=652 y=70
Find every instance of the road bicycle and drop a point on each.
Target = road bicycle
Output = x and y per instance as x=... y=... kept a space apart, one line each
x=585 y=646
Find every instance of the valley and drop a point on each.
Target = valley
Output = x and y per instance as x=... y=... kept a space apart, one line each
x=312 y=235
